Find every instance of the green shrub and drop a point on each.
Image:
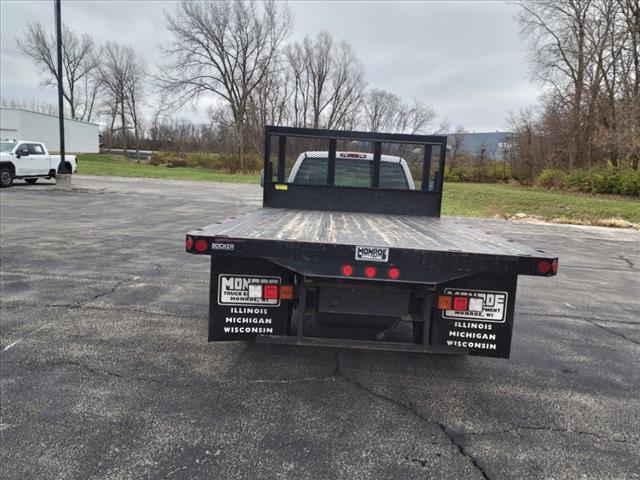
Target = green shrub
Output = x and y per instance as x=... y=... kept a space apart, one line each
x=629 y=182
x=625 y=181
x=252 y=162
x=221 y=162
x=450 y=176
x=552 y=178
x=212 y=161
x=579 y=180
x=167 y=159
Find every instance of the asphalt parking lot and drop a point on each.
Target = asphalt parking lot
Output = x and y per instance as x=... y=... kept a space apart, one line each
x=105 y=371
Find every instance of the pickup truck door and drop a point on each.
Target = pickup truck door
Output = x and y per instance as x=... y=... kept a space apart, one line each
x=39 y=160
x=22 y=163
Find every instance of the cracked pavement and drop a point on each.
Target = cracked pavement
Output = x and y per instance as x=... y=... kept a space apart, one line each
x=105 y=371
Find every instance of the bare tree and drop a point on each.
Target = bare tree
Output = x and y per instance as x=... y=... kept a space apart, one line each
x=569 y=44
x=269 y=103
x=328 y=82
x=588 y=53
x=557 y=32
x=457 y=143
x=380 y=110
x=415 y=117
x=627 y=98
x=133 y=96
x=224 y=49
x=386 y=112
x=122 y=74
x=78 y=64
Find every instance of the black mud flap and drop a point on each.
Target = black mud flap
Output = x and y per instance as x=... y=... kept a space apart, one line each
x=487 y=329
x=232 y=315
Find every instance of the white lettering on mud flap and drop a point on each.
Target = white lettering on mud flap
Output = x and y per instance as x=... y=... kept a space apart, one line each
x=484 y=306
x=234 y=290
x=372 y=254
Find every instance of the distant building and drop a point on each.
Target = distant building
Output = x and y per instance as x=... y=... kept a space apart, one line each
x=495 y=144
x=79 y=137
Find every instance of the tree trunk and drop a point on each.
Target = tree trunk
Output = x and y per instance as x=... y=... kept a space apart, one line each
x=113 y=121
x=240 y=138
x=124 y=125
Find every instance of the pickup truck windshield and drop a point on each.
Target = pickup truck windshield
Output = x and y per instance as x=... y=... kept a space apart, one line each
x=351 y=173
x=6 y=146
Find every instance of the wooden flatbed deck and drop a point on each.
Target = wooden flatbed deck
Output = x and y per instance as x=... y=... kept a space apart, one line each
x=429 y=234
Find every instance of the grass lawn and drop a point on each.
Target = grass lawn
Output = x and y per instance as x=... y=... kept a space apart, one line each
x=117 y=165
x=464 y=199
x=487 y=200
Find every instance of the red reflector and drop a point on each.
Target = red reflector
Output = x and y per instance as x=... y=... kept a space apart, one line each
x=270 y=291
x=461 y=303
x=370 y=272
x=393 y=273
x=544 y=267
x=554 y=266
x=347 y=270
x=201 y=245
x=189 y=243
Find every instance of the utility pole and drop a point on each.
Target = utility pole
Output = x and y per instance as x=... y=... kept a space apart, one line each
x=62 y=166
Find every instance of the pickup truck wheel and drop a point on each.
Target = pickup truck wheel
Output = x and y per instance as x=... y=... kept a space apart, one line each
x=31 y=181
x=6 y=177
x=68 y=167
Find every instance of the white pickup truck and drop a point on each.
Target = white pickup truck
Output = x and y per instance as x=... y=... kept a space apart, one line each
x=29 y=161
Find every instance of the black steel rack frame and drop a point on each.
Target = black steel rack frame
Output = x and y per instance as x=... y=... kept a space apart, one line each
x=425 y=200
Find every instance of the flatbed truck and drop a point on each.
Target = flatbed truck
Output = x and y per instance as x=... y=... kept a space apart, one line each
x=349 y=250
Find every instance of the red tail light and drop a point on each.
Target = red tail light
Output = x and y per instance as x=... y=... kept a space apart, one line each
x=347 y=270
x=393 y=273
x=201 y=245
x=270 y=292
x=370 y=272
x=544 y=267
x=461 y=303
x=189 y=243
x=554 y=266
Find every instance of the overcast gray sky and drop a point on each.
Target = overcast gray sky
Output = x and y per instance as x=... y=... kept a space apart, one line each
x=465 y=58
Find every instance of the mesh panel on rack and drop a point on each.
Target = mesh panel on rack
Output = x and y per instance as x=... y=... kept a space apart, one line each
x=297 y=147
x=354 y=163
x=273 y=156
x=406 y=158
x=307 y=161
x=435 y=167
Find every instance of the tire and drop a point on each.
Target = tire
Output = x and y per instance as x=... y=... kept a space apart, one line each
x=68 y=167
x=6 y=177
x=31 y=181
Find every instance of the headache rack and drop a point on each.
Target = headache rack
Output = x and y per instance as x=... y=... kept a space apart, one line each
x=423 y=155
